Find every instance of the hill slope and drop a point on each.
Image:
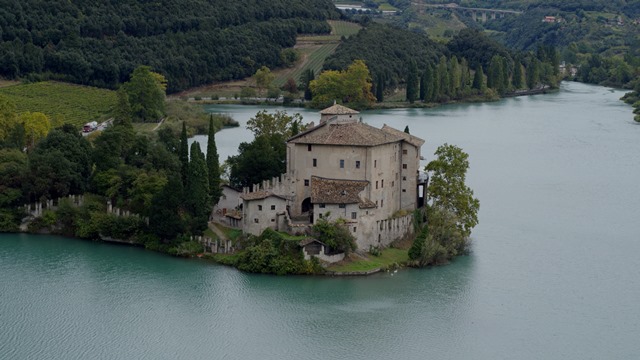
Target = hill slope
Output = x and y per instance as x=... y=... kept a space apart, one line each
x=190 y=41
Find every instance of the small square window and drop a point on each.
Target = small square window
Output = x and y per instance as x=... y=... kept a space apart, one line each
x=320 y=216
x=256 y=220
x=404 y=166
x=393 y=183
x=273 y=207
x=354 y=215
x=404 y=190
x=309 y=147
x=306 y=182
x=315 y=162
x=259 y=207
x=321 y=206
x=357 y=164
x=404 y=152
x=273 y=220
x=404 y=178
x=341 y=164
x=342 y=206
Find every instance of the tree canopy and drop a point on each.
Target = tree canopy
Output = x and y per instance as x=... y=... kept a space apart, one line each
x=351 y=86
x=190 y=42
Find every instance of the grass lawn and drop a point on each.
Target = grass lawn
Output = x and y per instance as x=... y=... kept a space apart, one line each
x=387 y=257
x=231 y=233
x=74 y=104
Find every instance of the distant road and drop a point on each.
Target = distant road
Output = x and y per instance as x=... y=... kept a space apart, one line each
x=456 y=6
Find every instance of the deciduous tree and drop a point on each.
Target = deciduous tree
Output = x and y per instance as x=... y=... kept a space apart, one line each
x=447 y=189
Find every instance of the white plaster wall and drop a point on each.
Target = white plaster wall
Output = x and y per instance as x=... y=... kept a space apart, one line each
x=267 y=218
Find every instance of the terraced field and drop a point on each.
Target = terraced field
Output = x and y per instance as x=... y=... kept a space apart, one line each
x=74 y=104
x=315 y=49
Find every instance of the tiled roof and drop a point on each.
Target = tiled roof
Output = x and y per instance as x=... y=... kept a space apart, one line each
x=413 y=140
x=259 y=195
x=366 y=204
x=355 y=133
x=334 y=191
x=338 y=109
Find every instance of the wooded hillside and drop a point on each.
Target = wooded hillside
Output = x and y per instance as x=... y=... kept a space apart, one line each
x=191 y=42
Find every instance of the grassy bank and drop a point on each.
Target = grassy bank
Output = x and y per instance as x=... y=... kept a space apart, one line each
x=388 y=257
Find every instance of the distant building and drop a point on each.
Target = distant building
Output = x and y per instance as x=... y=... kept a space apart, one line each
x=342 y=168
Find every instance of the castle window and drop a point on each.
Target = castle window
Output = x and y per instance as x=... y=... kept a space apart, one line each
x=273 y=207
x=404 y=178
x=357 y=164
x=259 y=207
x=309 y=147
x=321 y=206
x=273 y=220
x=256 y=220
x=404 y=190
x=354 y=229
x=381 y=203
x=320 y=216
x=342 y=206
x=404 y=152
x=354 y=215
x=306 y=182
x=375 y=163
x=382 y=183
x=404 y=166
x=315 y=162
x=376 y=184
x=341 y=164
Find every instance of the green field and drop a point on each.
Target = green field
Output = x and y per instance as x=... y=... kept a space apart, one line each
x=73 y=104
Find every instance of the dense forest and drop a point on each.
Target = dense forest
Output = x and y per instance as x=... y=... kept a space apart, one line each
x=190 y=42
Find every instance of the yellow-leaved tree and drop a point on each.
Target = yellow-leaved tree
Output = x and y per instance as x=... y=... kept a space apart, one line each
x=351 y=86
x=36 y=126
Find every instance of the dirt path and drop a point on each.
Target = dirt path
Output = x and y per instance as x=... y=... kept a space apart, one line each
x=221 y=235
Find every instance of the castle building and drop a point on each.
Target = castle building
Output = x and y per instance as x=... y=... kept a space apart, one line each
x=342 y=168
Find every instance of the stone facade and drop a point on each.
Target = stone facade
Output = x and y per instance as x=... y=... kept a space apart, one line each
x=343 y=168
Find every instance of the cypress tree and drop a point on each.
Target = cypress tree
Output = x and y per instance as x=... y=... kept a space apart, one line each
x=197 y=190
x=517 y=75
x=429 y=84
x=505 y=73
x=423 y=87
x=183 y=154
x=412 y=82
x=213 y=165
x=443 y=77
x=380 y=89
x=166 y=206
x=478 y=79
x=406 y=129
x=533 y=73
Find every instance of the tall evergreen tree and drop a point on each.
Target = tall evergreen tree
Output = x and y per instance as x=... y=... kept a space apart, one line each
x=443 y=77
x=423 y=87
x=533 y=73
x=213 y=165
x=430 y=84
x=455 y=76
x=380 y=89
x=183 y=154
x=197 y=190
x=504 y=65
x=406 y=129
x=412 y=82
x=166 y=208
x=495 y=78
x=517 y=75
x=478 y=79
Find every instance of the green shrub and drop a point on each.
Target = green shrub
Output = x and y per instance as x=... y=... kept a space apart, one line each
x=334 y=234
